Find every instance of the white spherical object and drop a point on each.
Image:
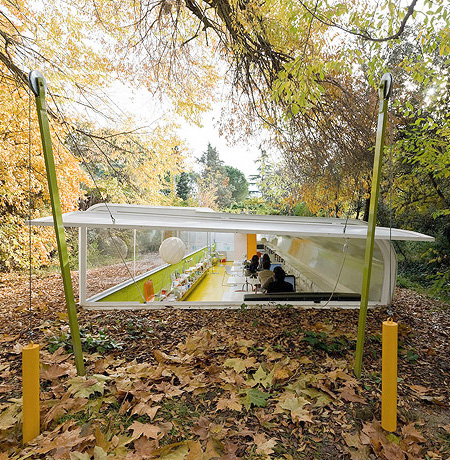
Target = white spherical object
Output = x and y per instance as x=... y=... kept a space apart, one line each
x=172 y=250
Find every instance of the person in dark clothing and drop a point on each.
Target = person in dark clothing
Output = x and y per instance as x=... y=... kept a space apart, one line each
x=253 y=267
x=264 y=258
x=279 y=285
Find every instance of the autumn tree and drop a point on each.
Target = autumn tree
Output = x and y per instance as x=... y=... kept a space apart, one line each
x=23 y=186
x=131 y=166
x=308 y=72
x=117 y=163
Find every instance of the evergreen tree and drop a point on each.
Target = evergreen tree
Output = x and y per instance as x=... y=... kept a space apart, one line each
x=214 y=177
x=238 y=184
x=184 y=186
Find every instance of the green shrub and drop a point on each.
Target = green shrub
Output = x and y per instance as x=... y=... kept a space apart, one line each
x=90 y=343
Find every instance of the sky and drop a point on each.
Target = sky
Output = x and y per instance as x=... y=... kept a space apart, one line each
x=142 y=104
x=241 y=156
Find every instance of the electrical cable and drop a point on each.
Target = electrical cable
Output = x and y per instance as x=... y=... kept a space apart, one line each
x=345 y=250
x=345 y=247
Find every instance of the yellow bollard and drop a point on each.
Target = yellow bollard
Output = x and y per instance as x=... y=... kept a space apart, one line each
x=30 y=392
x=389 y=376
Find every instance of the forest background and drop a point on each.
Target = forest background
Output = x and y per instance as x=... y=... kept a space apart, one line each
x=304 y=72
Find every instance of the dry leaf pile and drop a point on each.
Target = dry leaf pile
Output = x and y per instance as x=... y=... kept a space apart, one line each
x=249 y=384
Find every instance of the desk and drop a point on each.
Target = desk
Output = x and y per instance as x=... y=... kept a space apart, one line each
x=196 y=283
x=236 y=280
x=242 y=280
x=237 y=270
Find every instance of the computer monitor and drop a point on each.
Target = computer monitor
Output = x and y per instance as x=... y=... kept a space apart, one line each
x=290 y=279
x=272 y=266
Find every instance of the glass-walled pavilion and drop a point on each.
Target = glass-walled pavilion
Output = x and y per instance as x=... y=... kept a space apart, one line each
x=118 y=255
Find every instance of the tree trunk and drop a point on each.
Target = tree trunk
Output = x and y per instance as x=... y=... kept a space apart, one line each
x=358 y=206
x=366 y=210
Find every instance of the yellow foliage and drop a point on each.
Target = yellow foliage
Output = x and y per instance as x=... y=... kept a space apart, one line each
x=15 y=180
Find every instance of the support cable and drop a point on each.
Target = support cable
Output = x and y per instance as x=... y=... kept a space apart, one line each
x=113 y=220
x=345 y=251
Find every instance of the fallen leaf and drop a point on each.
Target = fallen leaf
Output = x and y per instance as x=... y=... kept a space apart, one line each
x=439 y=400
x=271 y=354
x=295 y=406
x=264 y=446
x=201 y=428
x=410 y=433
x=239 y=364
x=260 y=377
x=281 y=374
x=79 y=456
x=162 y=357
x=233 y=403
x=145 y=447
x=8 y=338
x=55 y=371
x=145 y=409
x=175 y=451
x=348 y=394
x=255 y=397
x=83 y=387
x=392 y=451
x=421 y=390
x=99 y=453
x=10 y=416
x=195 y=451
x=339 y=374
x=445 y=427
x=375 y=435
x=213 y=450
x=145 y=429
x=169 y=390
x=352 y=440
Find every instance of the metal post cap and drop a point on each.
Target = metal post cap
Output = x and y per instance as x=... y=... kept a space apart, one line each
x=387 y=77
x=33 y=79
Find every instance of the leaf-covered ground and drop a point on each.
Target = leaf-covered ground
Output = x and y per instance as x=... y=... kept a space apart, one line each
x=247 y=384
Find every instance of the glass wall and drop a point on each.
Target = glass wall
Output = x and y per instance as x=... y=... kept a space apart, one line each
x=193 y=240
x=319 y=262
x=114 y=256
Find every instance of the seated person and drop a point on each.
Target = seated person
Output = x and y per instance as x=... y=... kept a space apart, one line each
x=279 y=285
x=264 y=257
x=253 y=267
x=265 y=276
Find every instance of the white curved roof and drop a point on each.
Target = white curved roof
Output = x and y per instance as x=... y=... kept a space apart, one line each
x=206 y=220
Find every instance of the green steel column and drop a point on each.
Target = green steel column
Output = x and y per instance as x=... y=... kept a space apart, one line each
x=384 y=92
x=37 y=84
